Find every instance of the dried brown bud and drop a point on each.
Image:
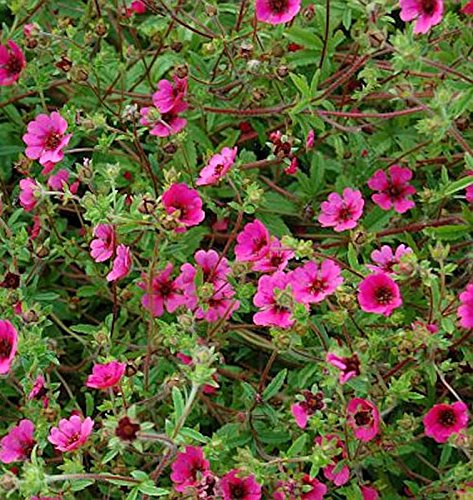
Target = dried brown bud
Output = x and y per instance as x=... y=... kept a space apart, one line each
x=181 y=71
x=282 y=71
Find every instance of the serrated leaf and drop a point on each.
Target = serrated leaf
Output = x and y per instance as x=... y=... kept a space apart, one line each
x=178 y=402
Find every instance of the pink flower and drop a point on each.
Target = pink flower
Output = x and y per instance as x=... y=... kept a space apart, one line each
x=12 y=62
x=443 y=420
x=308 y=489
x=343 y=475
x=30 y=29
x=236 y=487
x=18 y=443
x=253 y=243
x=38 y=390
x=170 y=95
x=58 y=181
x=393 y=191
x=276 y=259
x=469 y=189
x=217 y=167
x=350 y=367
x=274 y=298
x=186 y=205
x=71 y=433
x=363 y=418
x=386 y=259
x=8 y=345
x=342 y=213
x=214 y=299
x=379 y=294
x=312 y=282
x=30 y=193
x=121 y=264
x=277 y=11
x=369 y=493
x=46 y=138
x=467 y=9
x=310 y=139
x=188 y=467
x=103 y=247
x=137 y=7
x=305 y=409
x=166 y=124
x=106 y=375
x=162 y=293
x=427 y=12
x=465 y=311
x=292 y=168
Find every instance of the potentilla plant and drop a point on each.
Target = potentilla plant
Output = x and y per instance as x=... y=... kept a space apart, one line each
x=236 y=249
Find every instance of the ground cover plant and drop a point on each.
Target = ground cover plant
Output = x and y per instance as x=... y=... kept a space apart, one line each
x=236 y=249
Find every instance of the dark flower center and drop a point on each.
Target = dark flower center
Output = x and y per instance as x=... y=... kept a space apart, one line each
x=13 y=66
x=126 y=429
x=352 y=364
x=384 y=295
x=318 y=286
x=237 y=490
x=278 y=5
x=52 y=141
x=395 y=191
x=363 y=417
x=166 y=288
x=428 y=6
x=313 y=402
x=258 y=244
x=345 y=213
x=447 y=418
x=276 y=260
x=5 y=348
x=73 y=439
x=219 y=168
x=11 y=280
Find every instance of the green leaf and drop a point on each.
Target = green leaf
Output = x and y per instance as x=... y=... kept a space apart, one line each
x=297 y=446
x=448 y=233
x=178 y=402
x=275 y=385
x=458 y=185
x=193 y=434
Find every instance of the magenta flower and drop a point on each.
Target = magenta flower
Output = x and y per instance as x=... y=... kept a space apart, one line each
x=30 y=192
x=8 y=345
x=217 y=167
x=106 y=375
x=170 y=95
x=350 y=367
x=369 y=493
x=343 y=475
x=12 y=62
x=186 y=205
x=71 y=433
x=393 y=191
x=253 y=243
x=292 y=168
x=46 y=138
x=379 y=294
x=465 y=311
x=215 y=300
x=276 y=259
x=277 y=11
x=103 y=247
x=363 y=418
x=18 y=443
x=166 y=124
x=469 y=189
x=121 y=264
x=310 y=139
x=443 y=420
x=312 y=282
x=163 y=293
x=136 y=7
x=188 y=468
x=386 y=259
x=236 y=487
x=39 y=390
x=317 y=491
x=59 y=181
x=342 y=212
x=467 y=9
x=305 y=409
x=427 y=13
x=274 y=298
